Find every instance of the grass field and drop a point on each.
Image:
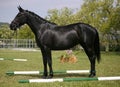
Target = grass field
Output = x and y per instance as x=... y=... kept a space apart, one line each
x=109 y=66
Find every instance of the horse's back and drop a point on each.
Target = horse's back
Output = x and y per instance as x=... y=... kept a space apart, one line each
x=79 y=27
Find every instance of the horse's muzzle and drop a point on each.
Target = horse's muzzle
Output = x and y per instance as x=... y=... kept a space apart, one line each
x=14 y=26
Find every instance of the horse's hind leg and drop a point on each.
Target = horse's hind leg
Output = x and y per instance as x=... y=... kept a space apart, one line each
x=91 y=55
x=92 y=61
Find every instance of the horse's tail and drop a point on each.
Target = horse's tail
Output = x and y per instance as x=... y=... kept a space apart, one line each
x=97 y=47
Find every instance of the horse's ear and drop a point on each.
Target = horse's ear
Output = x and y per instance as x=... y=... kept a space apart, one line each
x=20 y=9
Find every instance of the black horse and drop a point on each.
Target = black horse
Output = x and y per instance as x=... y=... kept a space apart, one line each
x=49 y=37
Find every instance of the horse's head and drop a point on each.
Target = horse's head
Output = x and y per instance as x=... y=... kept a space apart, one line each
x=19 y=20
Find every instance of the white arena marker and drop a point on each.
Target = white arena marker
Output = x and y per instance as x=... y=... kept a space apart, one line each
x=77 y=71
x=20 y=59
x=1 y=58
x=45 y=80
x=13 y=59
x=26 y=72
x=109 y=78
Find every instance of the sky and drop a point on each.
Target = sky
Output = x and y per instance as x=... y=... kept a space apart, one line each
x=8 y=8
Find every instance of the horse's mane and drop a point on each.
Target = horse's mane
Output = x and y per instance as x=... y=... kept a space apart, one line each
x=39 y=18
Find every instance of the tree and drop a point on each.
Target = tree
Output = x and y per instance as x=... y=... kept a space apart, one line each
x=25 y=33
x=104 y=15
x=5 y=32
x=63 y=16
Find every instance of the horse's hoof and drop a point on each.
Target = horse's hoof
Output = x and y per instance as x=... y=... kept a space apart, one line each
x=49 y=77
x=44 y=77
x=92 y=75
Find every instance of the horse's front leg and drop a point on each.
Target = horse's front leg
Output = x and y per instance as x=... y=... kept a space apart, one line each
x=47 y=59
x=45 y=73
x=50 y=64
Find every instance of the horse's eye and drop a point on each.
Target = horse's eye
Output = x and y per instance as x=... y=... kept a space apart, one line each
x=20 y=14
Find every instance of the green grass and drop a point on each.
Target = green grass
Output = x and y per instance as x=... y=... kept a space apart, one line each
x=109 y=66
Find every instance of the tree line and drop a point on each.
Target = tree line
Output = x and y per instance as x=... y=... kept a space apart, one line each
x=104 y=15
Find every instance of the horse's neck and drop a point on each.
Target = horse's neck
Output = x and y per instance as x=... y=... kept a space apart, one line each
x=35 y=25
x=38 y=26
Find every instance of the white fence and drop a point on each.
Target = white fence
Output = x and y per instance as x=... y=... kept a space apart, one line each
x=17 y=43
